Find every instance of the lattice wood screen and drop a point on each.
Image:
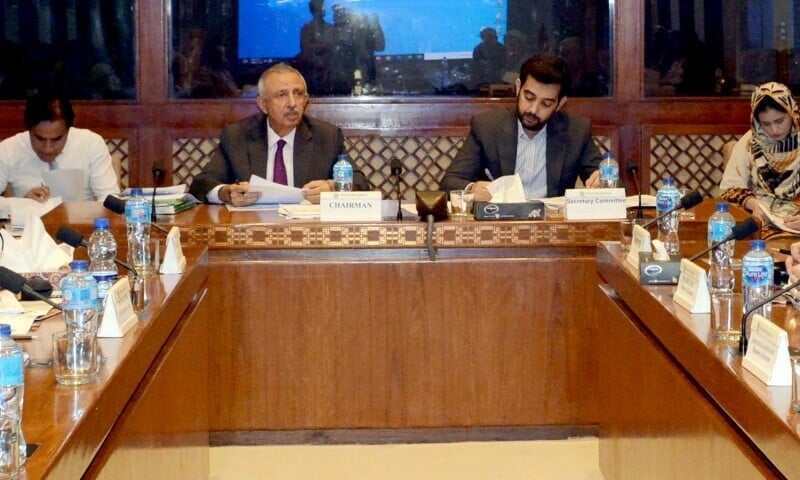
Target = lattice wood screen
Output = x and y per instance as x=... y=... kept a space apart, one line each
x=119 y=149
x=693 y=160
x=424 y=159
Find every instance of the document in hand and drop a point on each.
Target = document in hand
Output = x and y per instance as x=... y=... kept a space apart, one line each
x=274 y=193
x=777 y=215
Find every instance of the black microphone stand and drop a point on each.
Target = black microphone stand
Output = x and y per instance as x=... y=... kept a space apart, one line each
x=397 y=170
x=158 y=173
x=743 y=336
x=634 y=169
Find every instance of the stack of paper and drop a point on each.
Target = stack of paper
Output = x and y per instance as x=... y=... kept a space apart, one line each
x=168 y=200
x=299 y=211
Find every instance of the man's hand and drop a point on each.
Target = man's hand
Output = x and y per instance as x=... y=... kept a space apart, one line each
x=312 y=189
x=594 y=180
x=237 y=195
x=40 y=194
x=481 y=191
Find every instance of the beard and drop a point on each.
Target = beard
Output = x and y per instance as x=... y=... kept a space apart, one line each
x=531 y=122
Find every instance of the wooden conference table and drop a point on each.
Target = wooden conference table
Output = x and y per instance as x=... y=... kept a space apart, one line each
x=319 y=327
x=676 y=403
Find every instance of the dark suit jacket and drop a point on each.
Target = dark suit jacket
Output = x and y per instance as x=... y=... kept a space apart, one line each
x=243 y=151
x=492 y=144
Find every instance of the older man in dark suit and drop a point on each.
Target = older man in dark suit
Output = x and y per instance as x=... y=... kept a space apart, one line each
x=546 y=147
x=280 y=143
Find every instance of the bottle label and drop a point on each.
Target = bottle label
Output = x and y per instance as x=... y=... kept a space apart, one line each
x=756 y=275
x=666 y=202
x=79 y=298
x=609 y=172
x=105 y=280
x=11 y=371
x=137 y=212
x=718 y=231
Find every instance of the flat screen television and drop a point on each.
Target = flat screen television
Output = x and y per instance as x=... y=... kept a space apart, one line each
x=269 y=30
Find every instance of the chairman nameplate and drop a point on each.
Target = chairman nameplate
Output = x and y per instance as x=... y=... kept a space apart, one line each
x=350 y=206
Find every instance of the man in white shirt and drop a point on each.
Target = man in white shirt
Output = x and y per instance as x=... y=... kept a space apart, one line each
x=52 y=143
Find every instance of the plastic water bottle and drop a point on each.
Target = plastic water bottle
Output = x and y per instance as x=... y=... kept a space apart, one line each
x=609 y=171
x=102 y=251
x=12 y=393
x=79 y=298
x=137 y=218
x=720 y=226
x=667 y=198
x=757 y=277
x=343 y=174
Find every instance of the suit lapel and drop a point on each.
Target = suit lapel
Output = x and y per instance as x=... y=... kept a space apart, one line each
x=257 y=150
x=507 y=147
x=303 y=150
x=556 y=149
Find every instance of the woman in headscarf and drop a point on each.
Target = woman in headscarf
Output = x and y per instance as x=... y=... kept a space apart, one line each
x=763 y=172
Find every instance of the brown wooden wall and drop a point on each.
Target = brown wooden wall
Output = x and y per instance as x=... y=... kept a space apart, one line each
x=151 y=123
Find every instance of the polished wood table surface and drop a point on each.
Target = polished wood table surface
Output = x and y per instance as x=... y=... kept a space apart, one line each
x=158 y=367
x=675 y=402
x=350 y=326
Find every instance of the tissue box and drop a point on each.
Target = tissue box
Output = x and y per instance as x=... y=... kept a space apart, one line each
x=659 y=272
x=533 y=210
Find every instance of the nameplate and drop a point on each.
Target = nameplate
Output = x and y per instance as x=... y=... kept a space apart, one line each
x=118 y=316
x=767 y=354
x=692 y=290
x=174 y=261
x=350 y=206
x=595 y=203
x=639 y=243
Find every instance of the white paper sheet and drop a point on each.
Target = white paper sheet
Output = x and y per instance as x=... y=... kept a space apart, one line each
x=274 y=193
x=65 y=183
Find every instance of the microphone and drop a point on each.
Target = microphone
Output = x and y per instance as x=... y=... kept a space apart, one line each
x=117 y=205
x=740 y=231
x=688 y=201
x=75 y=239
x=397 y=170
x=634 y=169
x=158 y=175
x=743 y=337
x=15 y=283
x=431 y=206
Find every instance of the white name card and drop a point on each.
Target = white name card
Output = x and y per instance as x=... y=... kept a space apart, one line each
x=350 y=206
x=767 y=354
x=174 y=261
x=639 y=243
x=118 y=316
x=595 y=203
x=692 y=290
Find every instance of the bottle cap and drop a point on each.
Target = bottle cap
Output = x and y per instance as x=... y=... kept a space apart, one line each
x=758 y=244
x=101 y=222
x=5 y=329
x=79 y=265
x=669 y=181
x=608 y=155
x=136 y=192
x=722 y=207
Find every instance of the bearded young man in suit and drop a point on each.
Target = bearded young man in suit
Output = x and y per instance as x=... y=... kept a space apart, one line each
x=548 y=148
x=307 y=147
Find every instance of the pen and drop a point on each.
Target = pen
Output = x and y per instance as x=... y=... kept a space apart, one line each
x=488 y=174
x=784 y=251
x=24 y=336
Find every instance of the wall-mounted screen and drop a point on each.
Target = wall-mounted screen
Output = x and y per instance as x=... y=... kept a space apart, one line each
x=433 y=29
